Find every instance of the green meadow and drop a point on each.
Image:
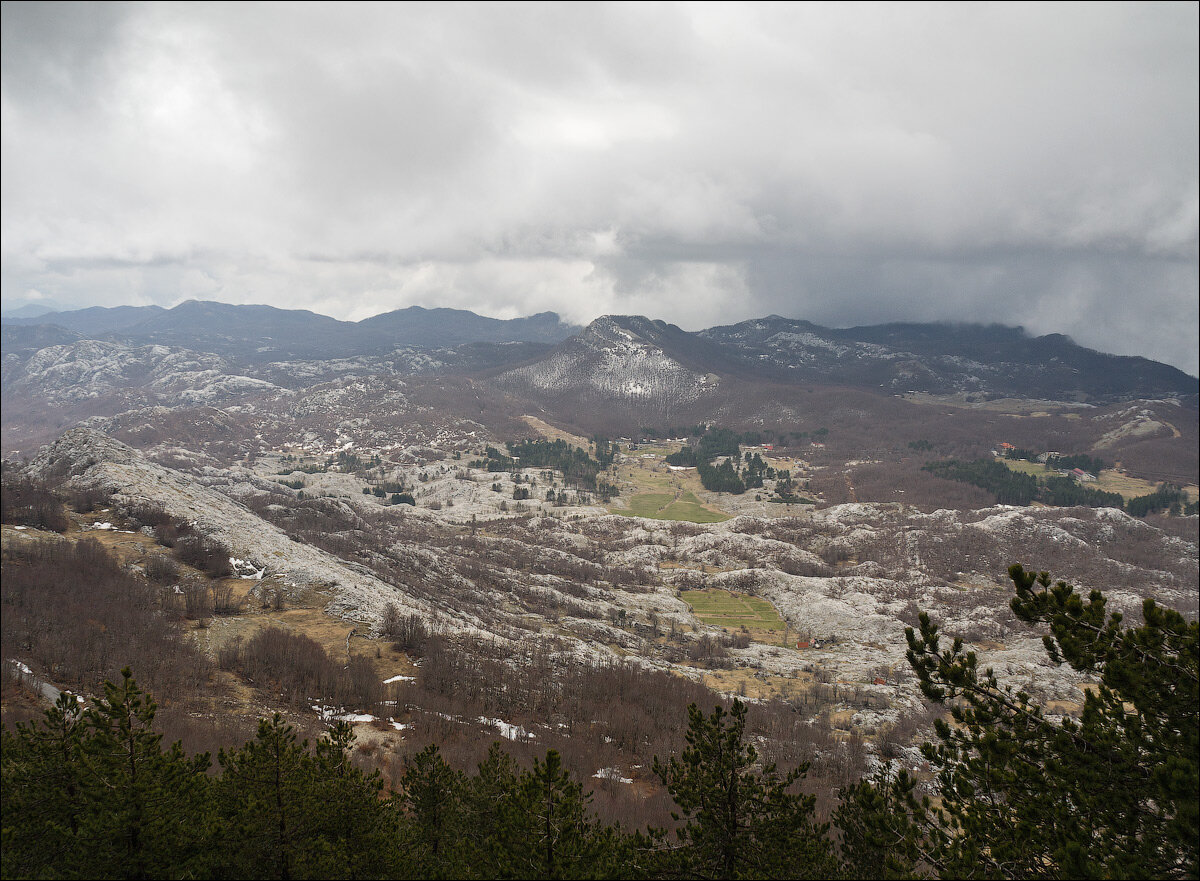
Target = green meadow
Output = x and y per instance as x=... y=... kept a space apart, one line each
x=664 y=506
x=720 y=608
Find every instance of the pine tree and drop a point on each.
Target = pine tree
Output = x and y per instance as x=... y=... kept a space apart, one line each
x=40 y=777
x=293 y=813
x=91 y=793
x=1115 y=793
x=433 y=798
x=149 y=816
x=357 y=828
x=265 y=798
x=551 y=833
x=883 y=828
x=741 y=820
x=532 y=824
x=487 y=799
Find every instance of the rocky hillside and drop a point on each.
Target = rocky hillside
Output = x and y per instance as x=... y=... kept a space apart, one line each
x=988 y=360
x=847 y=579
x=640 y=364
x=91 y=369
x=93 y=460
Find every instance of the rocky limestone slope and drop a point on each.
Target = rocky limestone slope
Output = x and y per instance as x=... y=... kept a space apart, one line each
x=617 y=359
x=846 y=579
x=91 y=459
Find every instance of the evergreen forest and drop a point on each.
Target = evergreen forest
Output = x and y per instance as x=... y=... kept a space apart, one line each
x=579 y=469
x=1017 y=488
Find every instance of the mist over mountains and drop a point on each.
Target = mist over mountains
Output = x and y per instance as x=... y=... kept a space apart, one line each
x=633 y=356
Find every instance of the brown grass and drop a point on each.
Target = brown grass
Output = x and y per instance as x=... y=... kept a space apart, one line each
x=747 y=683
x=549 y=432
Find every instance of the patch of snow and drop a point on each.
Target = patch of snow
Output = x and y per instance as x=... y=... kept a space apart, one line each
x=329 y=714
x=613 y=774
x=246 y=569
x=507 y=730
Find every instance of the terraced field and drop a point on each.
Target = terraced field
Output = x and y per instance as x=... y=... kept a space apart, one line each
x=720 y=608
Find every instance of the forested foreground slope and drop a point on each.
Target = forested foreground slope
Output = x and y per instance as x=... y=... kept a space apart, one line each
x=91 y=791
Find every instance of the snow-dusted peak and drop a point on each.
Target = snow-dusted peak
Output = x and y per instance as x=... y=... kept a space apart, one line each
x=616 y=357
x=622 y=330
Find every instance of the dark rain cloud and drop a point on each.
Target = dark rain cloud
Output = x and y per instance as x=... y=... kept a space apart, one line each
x=703 y=163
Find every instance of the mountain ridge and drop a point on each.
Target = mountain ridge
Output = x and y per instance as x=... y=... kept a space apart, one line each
x=633 y=358
x=980 y=360
x=259 y=333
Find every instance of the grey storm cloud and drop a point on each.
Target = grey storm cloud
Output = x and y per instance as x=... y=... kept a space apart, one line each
x=844 y=163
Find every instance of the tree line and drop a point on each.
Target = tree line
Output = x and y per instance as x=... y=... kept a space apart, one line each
x=710 y=444
x=725 y=477
x=579 y=469
x=1017 y=488
x=749 y=438
x=1165 y=498
x=1059 y=461
x=91 y=791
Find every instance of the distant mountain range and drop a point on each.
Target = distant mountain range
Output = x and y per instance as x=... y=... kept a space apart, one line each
x=265 y=333
x=993 y=360
x=631 y=358
x=634 y=359
x=28 y=309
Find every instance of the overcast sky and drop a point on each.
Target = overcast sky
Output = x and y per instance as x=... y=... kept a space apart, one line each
x=847 y=164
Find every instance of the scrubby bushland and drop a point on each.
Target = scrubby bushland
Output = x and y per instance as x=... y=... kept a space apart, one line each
x=407 y=632
x=88 y=498
x=208 y=555
x=161 y=569
x=1112 y=793
x=295 y=669
x=141 y=513
x=33 y=503
x=72 y=609
x=603 y=715
x=168 y=530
